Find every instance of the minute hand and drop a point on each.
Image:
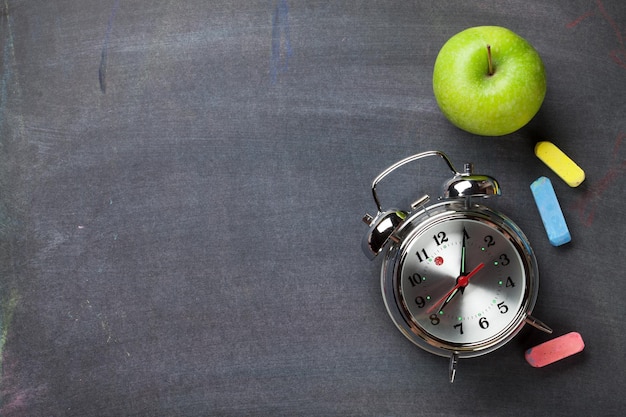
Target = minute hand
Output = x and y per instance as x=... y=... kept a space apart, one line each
x=461 y=282
x=463 y=254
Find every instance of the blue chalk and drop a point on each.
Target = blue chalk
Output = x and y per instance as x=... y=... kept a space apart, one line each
x=550 y=211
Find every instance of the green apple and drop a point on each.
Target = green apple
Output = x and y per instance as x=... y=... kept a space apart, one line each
x=489 y=81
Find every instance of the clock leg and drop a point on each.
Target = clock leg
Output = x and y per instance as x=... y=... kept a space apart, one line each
x=454 y=360
x=538 y=324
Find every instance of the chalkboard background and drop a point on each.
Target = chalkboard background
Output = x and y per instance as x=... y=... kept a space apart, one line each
x=181 y=192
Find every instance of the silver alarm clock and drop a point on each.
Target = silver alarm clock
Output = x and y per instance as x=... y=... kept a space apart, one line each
x=458 y=279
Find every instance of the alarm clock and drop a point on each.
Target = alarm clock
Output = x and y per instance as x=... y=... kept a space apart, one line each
x=458 y=278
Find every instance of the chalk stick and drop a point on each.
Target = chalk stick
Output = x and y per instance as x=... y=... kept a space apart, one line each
x=554 y=350
x=550 y=211
x=560 y=163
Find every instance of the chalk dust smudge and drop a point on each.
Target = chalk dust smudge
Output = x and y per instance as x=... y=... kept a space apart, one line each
x=102 y=71
x=281 y=41
x=579 y=19
x=617 y=55
x=6 y=315
x=8 y=306
x=587 y=204
x=8 y=75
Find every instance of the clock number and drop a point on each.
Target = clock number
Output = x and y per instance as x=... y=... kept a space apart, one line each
x=415 y=279
x=420 y=253
x=504 y=260
x=489 y=240
x=459 y=326
x=483 y=323
x=434 y=320
x=503 y=308
x=440 y=238
x=509 y=282
x=419 y=300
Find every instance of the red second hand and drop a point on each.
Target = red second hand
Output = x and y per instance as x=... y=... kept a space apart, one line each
x=462 y=281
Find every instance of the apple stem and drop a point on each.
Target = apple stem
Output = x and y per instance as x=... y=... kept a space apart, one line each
x=490 y=71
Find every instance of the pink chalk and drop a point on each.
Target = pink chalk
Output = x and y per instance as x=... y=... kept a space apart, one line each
x=555 y=350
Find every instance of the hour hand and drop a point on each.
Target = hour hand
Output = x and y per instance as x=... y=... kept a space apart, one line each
x=450 y=297
x=461 y=283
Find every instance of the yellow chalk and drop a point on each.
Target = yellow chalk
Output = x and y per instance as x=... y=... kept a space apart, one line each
x=560 y=163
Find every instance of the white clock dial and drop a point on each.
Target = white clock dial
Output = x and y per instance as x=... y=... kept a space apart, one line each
x=435 y=295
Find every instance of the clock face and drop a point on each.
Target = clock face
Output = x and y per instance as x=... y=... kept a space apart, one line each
x=463 y=283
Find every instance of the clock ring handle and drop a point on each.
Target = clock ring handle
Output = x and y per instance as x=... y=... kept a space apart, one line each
x=406 y=161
